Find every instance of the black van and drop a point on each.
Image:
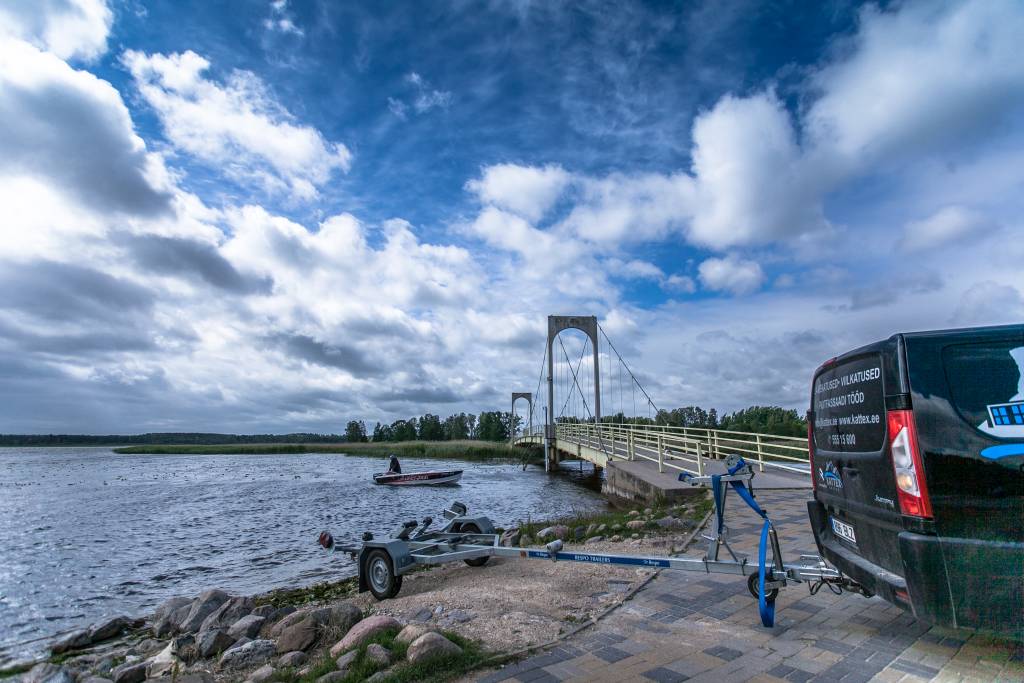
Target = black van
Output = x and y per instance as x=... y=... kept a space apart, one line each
x=917 y=456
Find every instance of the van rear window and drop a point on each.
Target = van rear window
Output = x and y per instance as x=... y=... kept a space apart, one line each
x=986 y=383
x=849 y=406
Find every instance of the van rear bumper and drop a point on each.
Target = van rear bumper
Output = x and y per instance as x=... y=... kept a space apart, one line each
x=988 y=587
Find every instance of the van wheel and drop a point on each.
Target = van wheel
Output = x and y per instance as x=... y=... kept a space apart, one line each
x=380 y=575
x=753 y=585
x=476 y=561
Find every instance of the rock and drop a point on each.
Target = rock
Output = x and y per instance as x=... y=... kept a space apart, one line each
x=636 y=524
x=239 y=643
x=591 y=530
x=546 y=533
x=265 y=611
x=213 y=642
x=659 y=542
x=460 y=615
x=615 y=539
x=344 y=616
x=511 y=537
x=184 y=647
x=594 y=539
x=671 y=523
x=169 y=606
x=526 y=540
x=635 y=537
x=195 y=677
x=286 y=621
x=603 y=529
x=292 y=659
x=378 y=654
x=379 y=676
x=170 y=623
x=95 y=679
x=248 y=626
x=363 y=631
x=48 y=673
x=261 y=674
x=579 y=533
x=164 y=663
x=345 y=661
x=105 y=665
x=206 y=604
x=439 y=610
x=423 y=615
x=129 y=672
x=411 y=633
x=252 y=653
x=105 y=630
x=280 y=613
x=304 y=671
x=648 y=511
x=431 y=645
x=149 y=645
x=616 y=527
x=332 y=677
x=300 y=636
x=72 y=641
x=634 y=513
x=228 y=613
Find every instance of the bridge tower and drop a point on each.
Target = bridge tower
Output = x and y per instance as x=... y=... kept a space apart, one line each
x=516 y=395
x=587 y=324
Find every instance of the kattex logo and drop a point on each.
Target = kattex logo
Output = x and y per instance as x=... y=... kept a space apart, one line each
x=829 y=476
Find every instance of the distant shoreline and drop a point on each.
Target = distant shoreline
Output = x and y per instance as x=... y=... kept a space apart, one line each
x=455 y=450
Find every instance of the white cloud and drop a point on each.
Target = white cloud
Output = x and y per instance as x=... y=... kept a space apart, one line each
x=68 y=28
x=427 y=97
x=731 y=274
x=989 y=303
x=529 y=191
x=280 y=19
x=237 y=125
x=623 y=208
x=680 y=283
x=949 y=224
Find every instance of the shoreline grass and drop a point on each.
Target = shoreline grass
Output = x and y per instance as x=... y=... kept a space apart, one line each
x=454 y=450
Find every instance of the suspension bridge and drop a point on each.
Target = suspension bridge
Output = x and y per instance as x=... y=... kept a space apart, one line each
x=642 y=459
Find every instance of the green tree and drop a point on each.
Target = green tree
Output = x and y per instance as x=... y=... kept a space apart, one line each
x=355 y=431
x=430 y=428
x=766 y=420
x=492 y=427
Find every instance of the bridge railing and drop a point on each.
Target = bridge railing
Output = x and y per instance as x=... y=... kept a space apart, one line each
x=687 y=448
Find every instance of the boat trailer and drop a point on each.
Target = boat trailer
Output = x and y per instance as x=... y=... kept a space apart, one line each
x=474 y=540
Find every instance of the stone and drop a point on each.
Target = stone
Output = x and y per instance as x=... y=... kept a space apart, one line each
x=460 y=615
x=164 y=663
x=429 y=646
x=169 y=606
x=546 y=533
x=636 y=524
x=616 y=527
x=615 y=539
x=635 y=537
x=264 y=673
x=363 y=631
x=248 y=626
x=591 y=530
x=423 y=615
x=265 y=611
x=252 y=653
x=150 y=645
x=345 y=661
x=304 y=671
x=239 y=643
x=280 y=613
x=105 y=665
x=293 y=659
x=206 y=604
x=300 y=636
x=170 y=623
x=107 y=629
x=184 y=647
x=634 y=513
x=195 y=677
x=411 y=633
x=332 y=677
x=72 y=641
x=579 y=533
x=511 y=537
x=130 y=672
x=228 y=613
x=48 y=673
x=670 y=523
x=213 y=642
x=648 y=511
x=526 y=540
x=95 y=679
x=287 y=620
x=378 y=654
x=344 y=616
x=594 y=539
x=603 y=529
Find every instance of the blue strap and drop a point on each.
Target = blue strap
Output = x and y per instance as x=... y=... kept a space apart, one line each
x=765 y=605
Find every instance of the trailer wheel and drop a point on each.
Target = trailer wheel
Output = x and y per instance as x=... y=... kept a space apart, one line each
x=476 y=561
x=380 y=575
x=754 y=588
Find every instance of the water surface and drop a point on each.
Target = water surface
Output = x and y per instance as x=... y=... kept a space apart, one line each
x=86 y=533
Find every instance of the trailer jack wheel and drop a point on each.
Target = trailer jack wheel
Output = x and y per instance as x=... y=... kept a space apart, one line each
x=752 y=586
x=380 y=575
x=476 y=561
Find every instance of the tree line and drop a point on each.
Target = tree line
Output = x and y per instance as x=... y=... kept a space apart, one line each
x=487 y=426
x=757 y=419
x=162 y=438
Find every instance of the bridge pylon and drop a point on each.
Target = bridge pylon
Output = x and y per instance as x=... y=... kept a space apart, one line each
x=587 y=324
x=516 y=395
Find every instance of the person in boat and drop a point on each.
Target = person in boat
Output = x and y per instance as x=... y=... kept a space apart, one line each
x=394 y=467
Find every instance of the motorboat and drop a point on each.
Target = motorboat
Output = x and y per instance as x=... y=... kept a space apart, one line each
x=435 y=477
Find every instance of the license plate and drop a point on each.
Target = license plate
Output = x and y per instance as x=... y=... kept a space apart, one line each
x=843 y=530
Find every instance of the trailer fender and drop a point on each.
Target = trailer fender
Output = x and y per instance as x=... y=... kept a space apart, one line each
x=484 y=524
x=398 y=551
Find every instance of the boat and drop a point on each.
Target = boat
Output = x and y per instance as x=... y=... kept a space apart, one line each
x=435 y=477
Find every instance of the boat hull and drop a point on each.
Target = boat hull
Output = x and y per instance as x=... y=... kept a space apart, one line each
x=418 y=478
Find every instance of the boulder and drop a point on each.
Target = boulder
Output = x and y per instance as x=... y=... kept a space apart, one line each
x=107 y=629
x=636 y=524
x=363 y=631
x=48 y=673
x=634 y=513
x=411 y=633
x=206 y=604
x=511 y=537
x=239 y=643
x=195 y=677
x=129 y=672
x=165 y=663
x=648 y=511
x=379 y=676
x=345 y=661
x=149 y=645
x=228 y=613
x=264 y=673
x=616 y=527
x=292 y=659
x=170 y=623
x=594 y=539
x=72 y=641
x=280 y=613
x=248 y=626
x=378 y=654
x=264 y=611
x=170 y=605
x=431 y=645
x=213 y=642
x=615 y=539
x=289 y=619
x=95 y=679
x=559 y=531
x=251 y=654
x=591 y=530
x=603 y=529
x=344 y=616
x=526 y=540
x=460 y=615
x=579 y=533
x=332 y=677
x=300 y=636
x=184 y=647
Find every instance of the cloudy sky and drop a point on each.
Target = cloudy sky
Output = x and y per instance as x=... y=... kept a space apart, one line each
x=278 y=216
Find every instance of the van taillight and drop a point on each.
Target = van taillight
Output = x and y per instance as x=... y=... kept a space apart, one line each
x=906 y=463
x=810 y=449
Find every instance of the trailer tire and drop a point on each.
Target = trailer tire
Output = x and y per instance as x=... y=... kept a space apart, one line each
x=754 y=588
x=476 y=561
x=380 y=575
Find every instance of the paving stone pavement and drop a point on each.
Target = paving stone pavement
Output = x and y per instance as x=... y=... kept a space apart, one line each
x=689 y=626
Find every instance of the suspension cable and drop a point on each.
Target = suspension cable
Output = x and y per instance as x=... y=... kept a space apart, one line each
x=574 y=378
x=626 y=365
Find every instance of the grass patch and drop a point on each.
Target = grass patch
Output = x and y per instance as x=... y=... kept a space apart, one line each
x=326 y=591
x=435 y=670
x=453 y=450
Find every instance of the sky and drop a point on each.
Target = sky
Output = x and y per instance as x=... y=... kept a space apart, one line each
x=280 y=216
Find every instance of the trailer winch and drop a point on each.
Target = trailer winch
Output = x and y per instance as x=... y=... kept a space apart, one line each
x=474 y=540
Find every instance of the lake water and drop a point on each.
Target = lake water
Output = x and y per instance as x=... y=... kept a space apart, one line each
x=85 y=533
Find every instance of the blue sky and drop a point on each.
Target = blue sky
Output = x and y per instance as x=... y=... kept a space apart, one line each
x=275 y=216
